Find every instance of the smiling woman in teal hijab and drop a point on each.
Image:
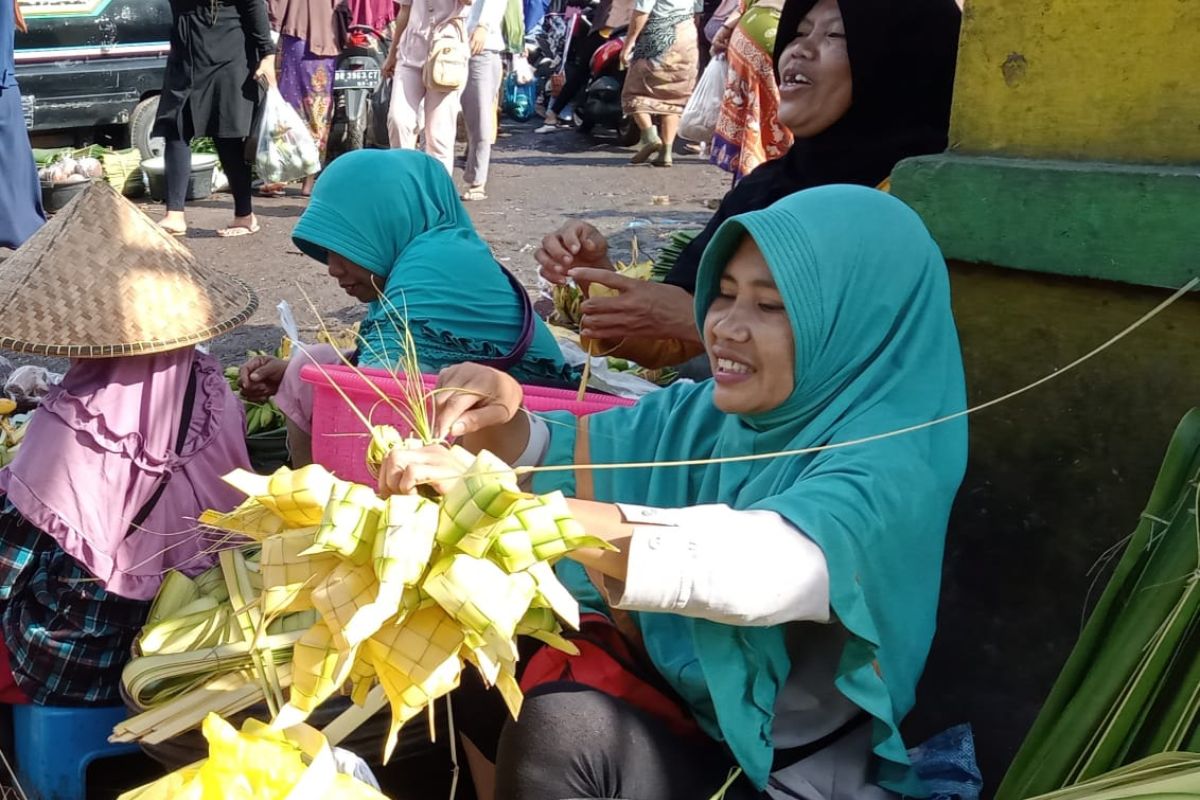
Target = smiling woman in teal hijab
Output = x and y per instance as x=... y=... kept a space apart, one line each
x=788 y=603
x=391 y=230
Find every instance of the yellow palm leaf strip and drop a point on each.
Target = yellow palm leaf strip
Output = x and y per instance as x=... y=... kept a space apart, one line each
x=509 y=689
x=288 y=575
x=248 y=618
x=551 y=593
x=150 y=681
x=348 y=601
x=362 y=678
x=211 y=582
x=476 y=650
x=216 y=699
x=417 y=662
x=486 y=493
x=251 y=519
x=349 y=523
x=543 y=625
x=175 y=592
x=482 y=598
x=201 y=624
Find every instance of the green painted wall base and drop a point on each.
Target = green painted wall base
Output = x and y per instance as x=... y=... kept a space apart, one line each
x=1055 y=478
x=1134 y=224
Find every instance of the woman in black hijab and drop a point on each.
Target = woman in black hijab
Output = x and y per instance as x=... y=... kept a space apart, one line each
x=863 y=84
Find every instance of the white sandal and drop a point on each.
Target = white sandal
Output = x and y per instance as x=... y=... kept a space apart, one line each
x=474 y=193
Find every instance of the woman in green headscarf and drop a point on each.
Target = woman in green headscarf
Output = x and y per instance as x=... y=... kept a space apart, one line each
x=787 y=603
x=389 y=226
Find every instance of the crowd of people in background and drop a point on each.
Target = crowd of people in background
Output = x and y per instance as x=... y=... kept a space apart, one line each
x=226 y=54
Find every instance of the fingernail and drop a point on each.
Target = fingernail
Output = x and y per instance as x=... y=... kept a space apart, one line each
x=458 y=429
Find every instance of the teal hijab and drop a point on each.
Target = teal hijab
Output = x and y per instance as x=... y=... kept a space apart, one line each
x=396 y=214
x=876 y=350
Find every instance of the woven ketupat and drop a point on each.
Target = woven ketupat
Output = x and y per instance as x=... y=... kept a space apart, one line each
x=408 y=589
x=288 y=573
x=349 y=523
x=319 y=668
x=487 y=492
x=348 y=601
x=482 y=598
x=416 y=662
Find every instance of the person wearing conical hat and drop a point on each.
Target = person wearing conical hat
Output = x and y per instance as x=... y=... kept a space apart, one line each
x=20 y=195
x=120 y=459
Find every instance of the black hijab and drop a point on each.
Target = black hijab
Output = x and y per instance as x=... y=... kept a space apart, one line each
x=902 y=58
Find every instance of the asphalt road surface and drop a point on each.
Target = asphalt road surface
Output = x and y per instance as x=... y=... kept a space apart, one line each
x=536 y=182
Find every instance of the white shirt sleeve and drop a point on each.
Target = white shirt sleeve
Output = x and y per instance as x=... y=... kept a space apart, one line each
x=750 y=568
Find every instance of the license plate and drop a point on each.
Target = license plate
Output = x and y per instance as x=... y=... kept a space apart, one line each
x=356 y=79
x=27 y=103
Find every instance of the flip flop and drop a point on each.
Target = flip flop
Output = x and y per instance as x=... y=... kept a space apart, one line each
x=176 y=232
x=234 y=231
x=473 y=193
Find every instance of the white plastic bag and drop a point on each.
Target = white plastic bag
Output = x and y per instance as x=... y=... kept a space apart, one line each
x=286 y=150
x=699 y=119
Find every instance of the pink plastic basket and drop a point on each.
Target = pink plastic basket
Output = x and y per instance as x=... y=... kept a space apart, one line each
x=339 y=441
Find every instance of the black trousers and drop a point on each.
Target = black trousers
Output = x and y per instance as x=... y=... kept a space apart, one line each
x=573 y=741
x=578 y=69
x=230 y=152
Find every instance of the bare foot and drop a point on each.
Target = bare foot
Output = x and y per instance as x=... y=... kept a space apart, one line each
x=307 y=187
x=174 y=223
x=242 y=226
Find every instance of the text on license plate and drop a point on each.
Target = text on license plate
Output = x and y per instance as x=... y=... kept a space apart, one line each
x=356 y=79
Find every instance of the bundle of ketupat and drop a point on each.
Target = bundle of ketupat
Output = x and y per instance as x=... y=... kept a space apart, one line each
x=400 y=592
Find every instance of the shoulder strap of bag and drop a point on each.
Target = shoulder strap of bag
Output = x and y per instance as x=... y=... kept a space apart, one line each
x=528 y=328
x=585 y=487
x=185 y=422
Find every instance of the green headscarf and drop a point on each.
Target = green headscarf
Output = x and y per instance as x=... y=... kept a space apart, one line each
x=396 y=213
x=866 y=292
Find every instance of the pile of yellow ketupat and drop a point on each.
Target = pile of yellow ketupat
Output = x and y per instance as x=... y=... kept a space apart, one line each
x=394 y=595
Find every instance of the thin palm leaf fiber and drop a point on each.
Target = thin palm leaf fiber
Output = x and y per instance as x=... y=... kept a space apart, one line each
x=1131 y=686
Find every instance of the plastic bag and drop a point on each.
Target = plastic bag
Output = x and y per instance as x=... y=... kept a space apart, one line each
x=519 y=99
x=286 y=150
x=29 y=384
x=523 y=70
x=259 y=762
x=699 y=119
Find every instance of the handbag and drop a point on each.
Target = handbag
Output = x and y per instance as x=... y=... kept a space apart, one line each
x=449 y=57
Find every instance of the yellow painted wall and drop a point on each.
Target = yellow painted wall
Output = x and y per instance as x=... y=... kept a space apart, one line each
x=1109 y=80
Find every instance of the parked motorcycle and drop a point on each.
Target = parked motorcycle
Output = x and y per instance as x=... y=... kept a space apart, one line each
x=601 y=105
x=357 y=78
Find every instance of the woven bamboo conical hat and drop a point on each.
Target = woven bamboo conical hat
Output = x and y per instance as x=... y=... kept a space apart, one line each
x=101 y=279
